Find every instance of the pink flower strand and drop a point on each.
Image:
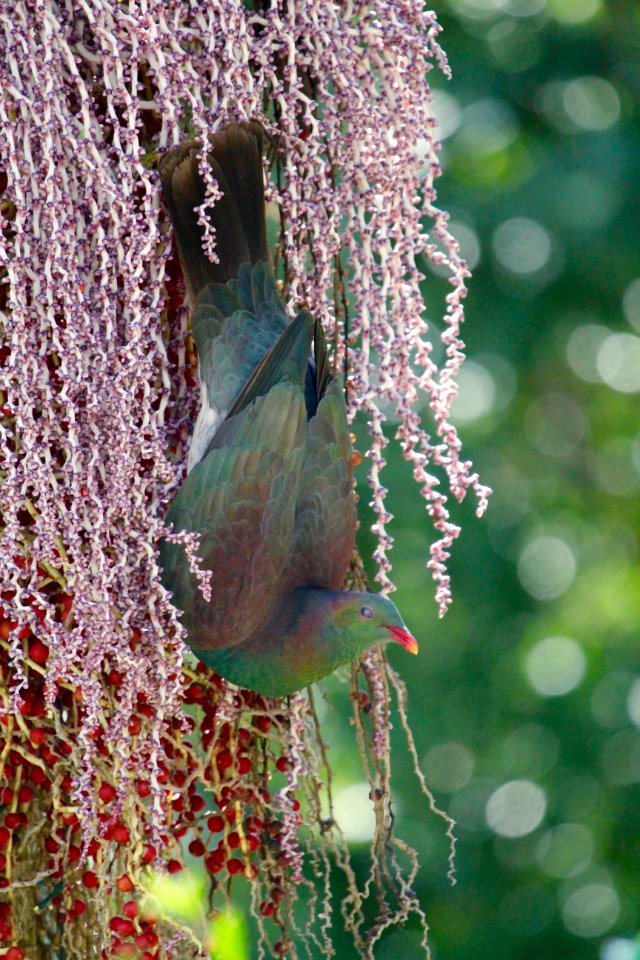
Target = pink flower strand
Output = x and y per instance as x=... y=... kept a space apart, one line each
x=102 y=402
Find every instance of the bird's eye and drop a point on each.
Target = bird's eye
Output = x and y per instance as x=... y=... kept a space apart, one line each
x=366 y=613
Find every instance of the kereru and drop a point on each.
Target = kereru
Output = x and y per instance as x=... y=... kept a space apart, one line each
x=270 y=488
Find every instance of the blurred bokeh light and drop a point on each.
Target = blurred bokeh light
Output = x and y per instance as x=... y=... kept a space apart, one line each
x=526 y=698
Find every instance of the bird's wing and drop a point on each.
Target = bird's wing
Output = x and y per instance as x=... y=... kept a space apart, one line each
x=286 y=361
x=240 y=500
x=325 y=523
x=234 y=326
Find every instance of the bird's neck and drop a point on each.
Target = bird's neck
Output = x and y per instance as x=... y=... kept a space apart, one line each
x=300 y=644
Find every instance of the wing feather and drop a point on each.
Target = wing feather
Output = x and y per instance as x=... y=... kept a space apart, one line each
x=240 y=499
x=325 y=522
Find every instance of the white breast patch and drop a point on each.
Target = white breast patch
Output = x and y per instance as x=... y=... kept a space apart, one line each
x=209 y=419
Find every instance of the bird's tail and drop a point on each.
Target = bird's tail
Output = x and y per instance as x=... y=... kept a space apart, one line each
x=238 y=218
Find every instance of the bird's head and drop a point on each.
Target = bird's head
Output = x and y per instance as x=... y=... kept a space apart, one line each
x=371 y=619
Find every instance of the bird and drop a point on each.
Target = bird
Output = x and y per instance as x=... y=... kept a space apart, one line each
x=269 y=489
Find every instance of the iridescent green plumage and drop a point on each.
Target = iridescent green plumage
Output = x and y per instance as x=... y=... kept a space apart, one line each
x=270 y=491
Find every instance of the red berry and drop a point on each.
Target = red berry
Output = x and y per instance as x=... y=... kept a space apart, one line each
x=15 y=953
x=124 y=883
x=224 y=760
x=233 y=840
x=37 y=735
x=197 y=848
x=146 y=939
x=51 y=845
x=121 y=926
x=197 y=803
x=79 y=907
x=234 y=865
x=149 y=853
x=130 y=909
x=244 y=765
x=126 y=950
x=267 y=909
x=6 y=795
x=215 y=823
x=39 y=652
x=214 y=861
x=174 y=866
x=134 y=726
x=282 y=764
x=89 y=879
x=115 y=678
x=143 y=788
x=121 y=833
x=106 y=792
x=253 y=842
x=25 y=795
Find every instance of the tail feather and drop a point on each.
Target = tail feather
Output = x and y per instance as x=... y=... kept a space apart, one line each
x=238 y=218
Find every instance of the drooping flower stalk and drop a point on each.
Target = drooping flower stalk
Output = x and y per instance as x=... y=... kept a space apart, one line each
x=113 y=749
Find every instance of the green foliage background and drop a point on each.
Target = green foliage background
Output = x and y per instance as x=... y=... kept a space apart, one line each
x=562 y=453
x=533 y=746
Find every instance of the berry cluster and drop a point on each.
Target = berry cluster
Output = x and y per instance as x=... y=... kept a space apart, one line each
x=213 y=784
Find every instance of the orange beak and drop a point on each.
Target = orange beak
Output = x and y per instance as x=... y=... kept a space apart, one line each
x=404 y=638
